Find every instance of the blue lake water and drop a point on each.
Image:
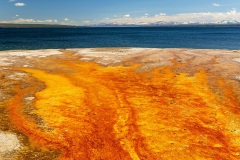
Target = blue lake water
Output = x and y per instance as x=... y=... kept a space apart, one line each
x=147 y=37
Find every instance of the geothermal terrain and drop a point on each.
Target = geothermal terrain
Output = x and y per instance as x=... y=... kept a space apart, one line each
x=120 y=103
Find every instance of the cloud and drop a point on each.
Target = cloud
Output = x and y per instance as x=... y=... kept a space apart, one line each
x=19 y=4
x=162 y=14
x=127 y=15
x=86 y=21
x=215 y=4
x=183 y=18
x=12 y=0
x=66 y=19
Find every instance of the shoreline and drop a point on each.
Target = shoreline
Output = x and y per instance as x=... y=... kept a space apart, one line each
x=221 y=49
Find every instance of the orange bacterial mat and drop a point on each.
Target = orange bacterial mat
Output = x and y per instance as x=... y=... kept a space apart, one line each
x=118 y=112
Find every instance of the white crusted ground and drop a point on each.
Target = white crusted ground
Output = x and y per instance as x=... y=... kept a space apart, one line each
x=9 y=57
x=106 y=56
x=8 y=142
x=33 y=53
x=237 y=59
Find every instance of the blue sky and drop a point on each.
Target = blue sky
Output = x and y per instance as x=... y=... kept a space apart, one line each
x=83 y=12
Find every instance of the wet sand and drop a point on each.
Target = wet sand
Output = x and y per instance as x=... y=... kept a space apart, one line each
x=120 y=103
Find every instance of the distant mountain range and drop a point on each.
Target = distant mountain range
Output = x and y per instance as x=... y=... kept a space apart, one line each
x=172 y=23
x=142 y=24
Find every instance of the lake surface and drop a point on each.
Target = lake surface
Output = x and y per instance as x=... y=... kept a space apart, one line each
x=146 y=37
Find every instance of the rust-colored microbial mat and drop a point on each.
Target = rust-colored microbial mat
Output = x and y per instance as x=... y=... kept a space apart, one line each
x=84 y=110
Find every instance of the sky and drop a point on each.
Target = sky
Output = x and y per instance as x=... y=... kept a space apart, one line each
x=91 y=12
